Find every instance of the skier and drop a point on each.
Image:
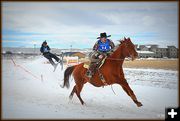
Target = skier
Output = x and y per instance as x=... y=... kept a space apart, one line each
x=45 y=50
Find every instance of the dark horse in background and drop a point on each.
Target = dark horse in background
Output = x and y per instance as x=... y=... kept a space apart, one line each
x=112 y=71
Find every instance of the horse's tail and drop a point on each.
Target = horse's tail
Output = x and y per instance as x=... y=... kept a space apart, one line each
x=67 y=75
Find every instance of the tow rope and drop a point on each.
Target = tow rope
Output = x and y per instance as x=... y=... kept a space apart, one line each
x=28 y=72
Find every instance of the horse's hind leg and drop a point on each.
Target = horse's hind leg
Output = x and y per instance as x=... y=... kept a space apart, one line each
x=129 y=91
x=79 y=81
x=78 y=91
x=72 y=93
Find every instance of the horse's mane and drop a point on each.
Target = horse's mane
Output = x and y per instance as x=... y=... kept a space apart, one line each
x=118 y=45
x=121 y=42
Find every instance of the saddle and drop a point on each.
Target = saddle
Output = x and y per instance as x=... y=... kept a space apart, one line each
x=99 y=65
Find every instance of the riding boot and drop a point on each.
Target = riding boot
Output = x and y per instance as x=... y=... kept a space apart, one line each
x=91 y=70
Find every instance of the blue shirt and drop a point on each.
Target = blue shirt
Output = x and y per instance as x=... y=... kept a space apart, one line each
x=104 y=46
x=46 y=49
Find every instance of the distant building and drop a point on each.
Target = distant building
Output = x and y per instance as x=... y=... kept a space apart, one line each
x=143 y=48
x=154 y=51
x=172 y=52
x=146 y=54
x=73 y=54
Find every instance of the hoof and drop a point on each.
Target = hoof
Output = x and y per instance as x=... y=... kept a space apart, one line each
x=139 y=104
x=61 y=86
x=70 y=97
x=84 y=104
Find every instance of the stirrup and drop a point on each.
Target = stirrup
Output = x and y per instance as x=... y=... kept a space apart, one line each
x=88 y=74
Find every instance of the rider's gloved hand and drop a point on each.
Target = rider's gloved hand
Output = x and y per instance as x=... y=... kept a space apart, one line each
x=100 y=56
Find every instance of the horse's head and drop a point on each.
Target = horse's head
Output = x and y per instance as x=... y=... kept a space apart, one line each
x=129 y=48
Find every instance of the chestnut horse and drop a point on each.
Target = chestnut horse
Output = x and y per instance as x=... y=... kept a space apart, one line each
x=111 y=70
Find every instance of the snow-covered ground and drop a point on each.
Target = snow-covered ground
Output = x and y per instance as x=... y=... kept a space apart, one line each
x=27 y=97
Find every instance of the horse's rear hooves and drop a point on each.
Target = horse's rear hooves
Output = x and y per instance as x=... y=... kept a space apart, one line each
x=70 y=97
x=139 y=104
x=84 y=104
x=61 y=86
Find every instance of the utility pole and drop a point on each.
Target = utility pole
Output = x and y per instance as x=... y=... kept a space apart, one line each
x=70 y=48
x=34 y=43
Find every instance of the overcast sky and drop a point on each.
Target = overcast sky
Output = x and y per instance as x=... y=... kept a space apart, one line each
x=79 y=23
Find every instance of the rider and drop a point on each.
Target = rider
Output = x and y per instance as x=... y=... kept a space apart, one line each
x=101 y=49
x=45 y=49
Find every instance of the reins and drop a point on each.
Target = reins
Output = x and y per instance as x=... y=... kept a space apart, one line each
x=115 y=59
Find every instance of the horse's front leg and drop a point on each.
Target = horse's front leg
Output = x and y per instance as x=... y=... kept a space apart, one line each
x=129 y=91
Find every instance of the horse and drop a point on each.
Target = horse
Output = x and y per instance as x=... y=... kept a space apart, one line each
x=112 y=71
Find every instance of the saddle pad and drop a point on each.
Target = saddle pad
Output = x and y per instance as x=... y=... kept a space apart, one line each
x=87 y=63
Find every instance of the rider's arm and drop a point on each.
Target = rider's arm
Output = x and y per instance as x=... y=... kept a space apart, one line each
x=95 y=47
x=41 y=49
x=112 y=44
x=48 y=48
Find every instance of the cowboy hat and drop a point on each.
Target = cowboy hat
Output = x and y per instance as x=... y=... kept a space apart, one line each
x=102 y=35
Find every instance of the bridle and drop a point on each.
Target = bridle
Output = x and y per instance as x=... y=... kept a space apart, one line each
x=115 y=59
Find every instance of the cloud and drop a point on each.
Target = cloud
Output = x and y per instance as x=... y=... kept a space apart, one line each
x=63 y=23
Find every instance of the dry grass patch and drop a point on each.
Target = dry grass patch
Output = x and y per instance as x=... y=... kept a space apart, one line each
x=157 y=64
